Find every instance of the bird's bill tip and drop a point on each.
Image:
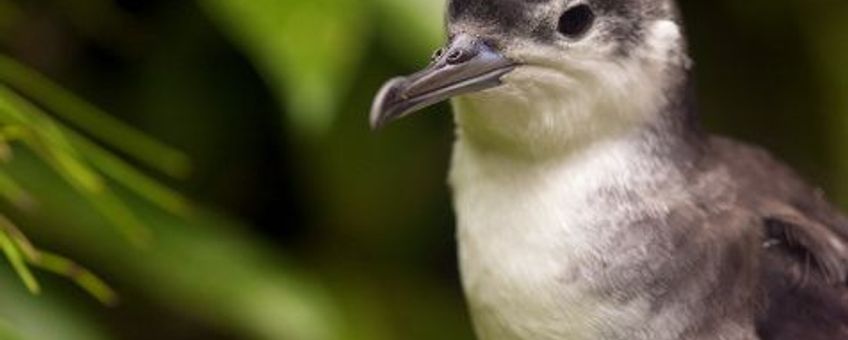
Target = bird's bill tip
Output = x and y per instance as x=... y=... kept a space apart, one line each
x=386 y=103
x=466 y=66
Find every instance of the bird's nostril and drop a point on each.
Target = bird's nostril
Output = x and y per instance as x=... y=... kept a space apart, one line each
x=461 y=52
x=456 y=56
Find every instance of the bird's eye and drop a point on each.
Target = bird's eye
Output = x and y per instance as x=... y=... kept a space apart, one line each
x=576 y=21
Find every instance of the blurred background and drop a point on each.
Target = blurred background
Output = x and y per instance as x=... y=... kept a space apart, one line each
x=210 y=160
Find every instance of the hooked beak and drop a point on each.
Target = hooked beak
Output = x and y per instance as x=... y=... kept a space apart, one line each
x=467 y=65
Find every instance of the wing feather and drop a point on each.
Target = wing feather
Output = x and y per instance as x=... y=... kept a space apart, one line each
x=805 y=254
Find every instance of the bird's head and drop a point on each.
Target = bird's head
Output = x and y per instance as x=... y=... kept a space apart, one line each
x=547 y=72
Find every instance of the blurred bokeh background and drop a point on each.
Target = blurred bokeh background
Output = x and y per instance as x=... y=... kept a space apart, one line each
x=273 y=212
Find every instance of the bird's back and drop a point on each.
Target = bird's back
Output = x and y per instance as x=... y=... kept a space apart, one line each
x=804 y=257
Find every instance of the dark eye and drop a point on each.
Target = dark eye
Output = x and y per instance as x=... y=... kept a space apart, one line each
x=576 y=21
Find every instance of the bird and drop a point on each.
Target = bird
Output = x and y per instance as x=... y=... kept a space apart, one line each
x=590 y=202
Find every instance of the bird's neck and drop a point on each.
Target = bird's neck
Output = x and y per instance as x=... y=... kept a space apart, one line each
x=628 y=159
x=528 y=119
x=528 y=132
x=631 y=157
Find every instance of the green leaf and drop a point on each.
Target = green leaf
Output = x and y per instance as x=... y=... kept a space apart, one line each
x=123 y=173
x=52 y=145
x=13 y=193
x=204 y=266
x=13 y=254
x=83 y=277
x=92 y=120
x=19 y=250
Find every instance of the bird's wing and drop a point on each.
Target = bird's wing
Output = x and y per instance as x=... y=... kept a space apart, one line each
x=805 y=246
x=799 y=303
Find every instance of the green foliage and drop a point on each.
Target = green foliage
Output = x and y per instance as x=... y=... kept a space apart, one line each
x=194 y=264
x=310 y=50
x=202 y=265
x=20 y=253
x=91 y=119
x=78 y=161
x=313 y=76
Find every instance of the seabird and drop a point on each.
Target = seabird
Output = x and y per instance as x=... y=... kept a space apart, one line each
x=591 y=205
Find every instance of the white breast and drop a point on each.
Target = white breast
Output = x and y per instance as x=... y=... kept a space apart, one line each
x=527 y=229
